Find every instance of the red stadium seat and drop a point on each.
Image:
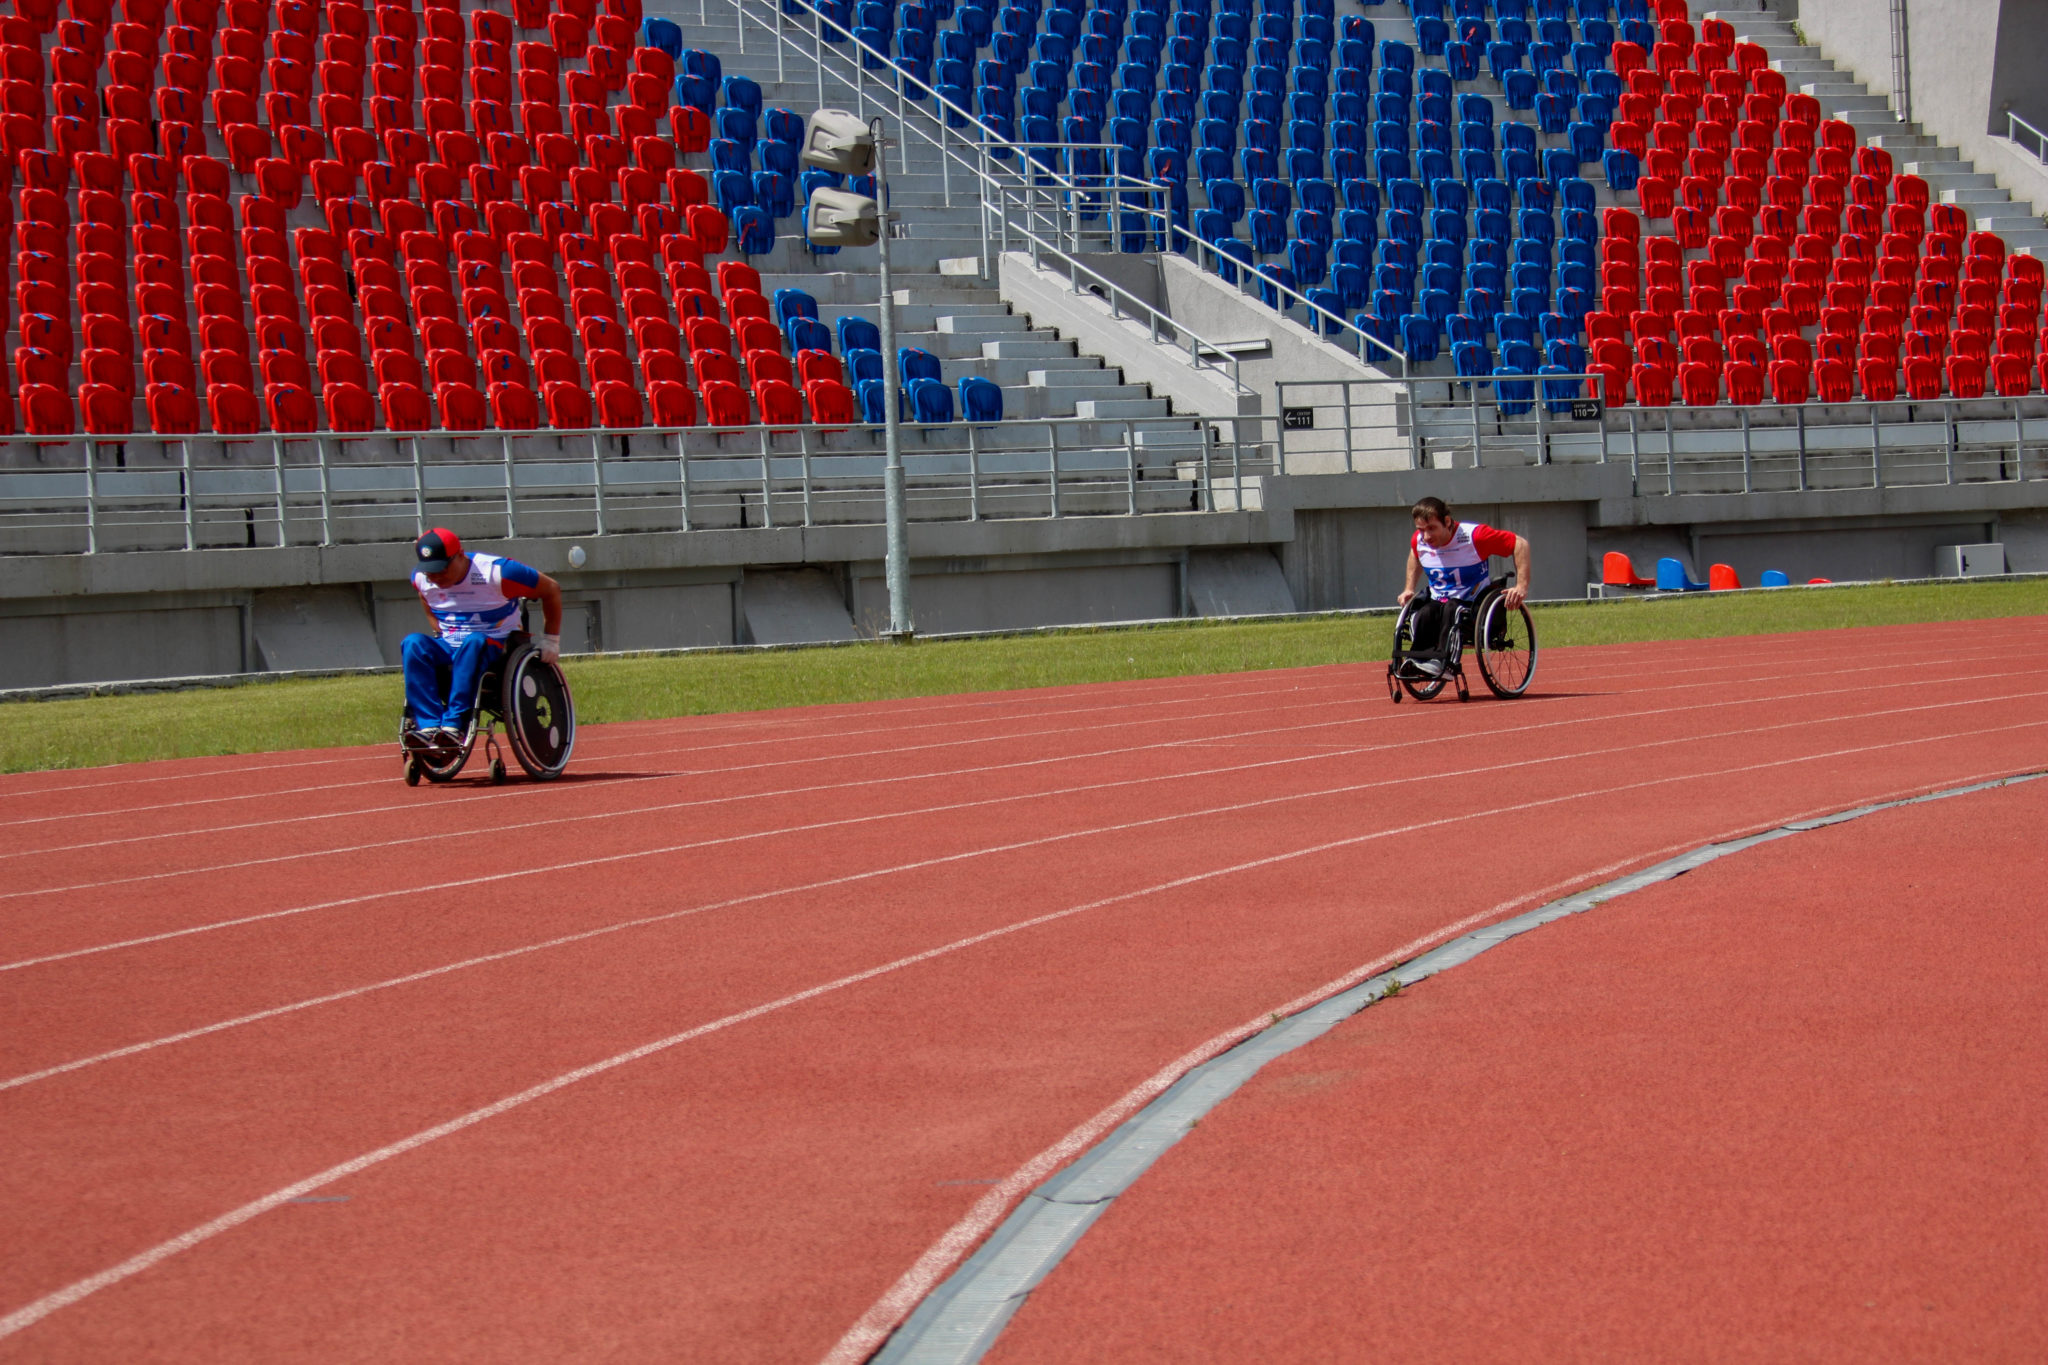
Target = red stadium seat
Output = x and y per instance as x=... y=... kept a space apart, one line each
x=2013 y=375
x=107 y=410
x=617 y=404
x=404 y=406
x=1835 y=380
x=1923 y=378
x=462 y=407
x=568 y=406
x=672 y=403
x=1722 y=578
x=348 y=406
x=172 y=410
x=233 y=409
x=725 y=405
x=291 y=407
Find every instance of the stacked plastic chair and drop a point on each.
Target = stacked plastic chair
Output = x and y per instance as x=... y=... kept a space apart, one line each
x=1796 y=265
x=276 y=216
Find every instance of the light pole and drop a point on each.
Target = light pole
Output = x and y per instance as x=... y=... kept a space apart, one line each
x=838 y=141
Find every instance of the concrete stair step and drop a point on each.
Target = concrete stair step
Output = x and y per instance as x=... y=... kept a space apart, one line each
x=1077 y=378
x=1028 y=348
x=1121 y=409
x=983 y=325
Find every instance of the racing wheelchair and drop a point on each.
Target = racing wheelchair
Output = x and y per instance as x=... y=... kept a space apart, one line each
x=523 y=693
x=1503 y=637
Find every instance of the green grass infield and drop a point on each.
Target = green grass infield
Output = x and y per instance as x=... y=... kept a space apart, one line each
x=317 y=713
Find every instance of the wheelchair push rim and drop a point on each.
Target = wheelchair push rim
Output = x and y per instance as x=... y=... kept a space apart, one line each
x=1506 y=645
x=539 y=714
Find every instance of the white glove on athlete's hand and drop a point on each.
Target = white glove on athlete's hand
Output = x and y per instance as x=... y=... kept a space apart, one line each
x=550 y=648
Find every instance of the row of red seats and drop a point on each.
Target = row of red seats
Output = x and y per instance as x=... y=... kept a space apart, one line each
x=1698 y=384
x=1853 y=349
x=289 y=409
x=302 y=16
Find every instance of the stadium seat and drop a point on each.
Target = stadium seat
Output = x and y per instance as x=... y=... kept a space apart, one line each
x=1722 y=578
x=1672 y=577
x=1618 y=571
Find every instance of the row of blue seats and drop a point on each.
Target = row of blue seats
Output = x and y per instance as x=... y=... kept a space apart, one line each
x=1584 y=10
x=1532 y=290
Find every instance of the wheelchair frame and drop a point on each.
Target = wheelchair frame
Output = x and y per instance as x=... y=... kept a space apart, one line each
x=1403 y=676
x=497 y=702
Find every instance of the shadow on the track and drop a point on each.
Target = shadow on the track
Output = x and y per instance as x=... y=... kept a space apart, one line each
x=516 y=780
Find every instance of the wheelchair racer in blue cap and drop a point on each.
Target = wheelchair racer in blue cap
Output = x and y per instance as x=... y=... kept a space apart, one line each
x=473 y=600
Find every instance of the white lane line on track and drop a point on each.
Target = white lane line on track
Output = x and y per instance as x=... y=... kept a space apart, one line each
x=631 y=746
x=30 y=1314
x=534 y=790
x=757 y=897
x=241 y=766
x=1331 y=749
x=896 y=1304
x=643 y=752
x=694 y=845
x=112 y=811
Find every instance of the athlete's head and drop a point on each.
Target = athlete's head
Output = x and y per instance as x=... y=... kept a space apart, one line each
x=438 y=554
x=1433 y=520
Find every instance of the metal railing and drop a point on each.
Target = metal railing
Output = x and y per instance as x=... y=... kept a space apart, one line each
x=1452 y=422
x=1438 y=423
x=1009 y=183
x=1774 y=448
x=94 y=495
x=2027 y=135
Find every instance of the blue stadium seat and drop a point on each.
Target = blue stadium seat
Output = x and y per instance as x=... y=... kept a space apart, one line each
x=981 y=400
x=929 y=400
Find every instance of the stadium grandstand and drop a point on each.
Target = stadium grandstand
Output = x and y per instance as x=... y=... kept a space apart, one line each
x=291 y=274
x=238 y=216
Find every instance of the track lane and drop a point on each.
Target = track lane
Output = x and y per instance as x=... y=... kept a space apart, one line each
x=1713 y=1119
x=632 y=737
x=1026 y=875
x=717 y=1191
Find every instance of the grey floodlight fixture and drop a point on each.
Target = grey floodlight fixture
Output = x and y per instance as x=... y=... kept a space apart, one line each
x=841 y=219
x=835 y=140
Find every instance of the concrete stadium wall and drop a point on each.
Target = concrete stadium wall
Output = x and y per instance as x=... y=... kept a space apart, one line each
x=1320 y=541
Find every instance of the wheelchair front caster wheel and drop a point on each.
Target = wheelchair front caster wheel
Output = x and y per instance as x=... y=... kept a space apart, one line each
x=412 y=772
x=497 y=770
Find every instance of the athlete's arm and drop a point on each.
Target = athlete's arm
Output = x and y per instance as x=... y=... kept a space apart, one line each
x=549 y=592
x=430 y=616
x=1414 y=581
x=1519 y=593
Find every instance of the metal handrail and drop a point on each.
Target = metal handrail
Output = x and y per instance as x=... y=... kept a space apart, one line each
x=987 y=151
x=768 y=467
x=2014 y=124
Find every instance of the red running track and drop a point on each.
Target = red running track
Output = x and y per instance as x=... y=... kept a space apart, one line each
x=1786 y=1107
x=725 y=1048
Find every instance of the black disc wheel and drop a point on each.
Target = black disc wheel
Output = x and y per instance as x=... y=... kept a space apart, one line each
x=1422 y=689
x=540 y=717
x=1507 y=647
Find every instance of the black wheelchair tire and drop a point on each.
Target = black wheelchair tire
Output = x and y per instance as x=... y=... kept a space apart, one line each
x=1508 y=672
x=420 y=762
x=1403 y=640
x=539 y=714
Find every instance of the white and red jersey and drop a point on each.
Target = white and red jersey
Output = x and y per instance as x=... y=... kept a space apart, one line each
x=484 y=603
x=1458 y=569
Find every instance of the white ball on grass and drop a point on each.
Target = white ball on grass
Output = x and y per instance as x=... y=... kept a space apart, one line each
x=576 y=556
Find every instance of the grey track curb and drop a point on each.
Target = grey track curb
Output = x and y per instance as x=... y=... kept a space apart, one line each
x=960 y=1319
